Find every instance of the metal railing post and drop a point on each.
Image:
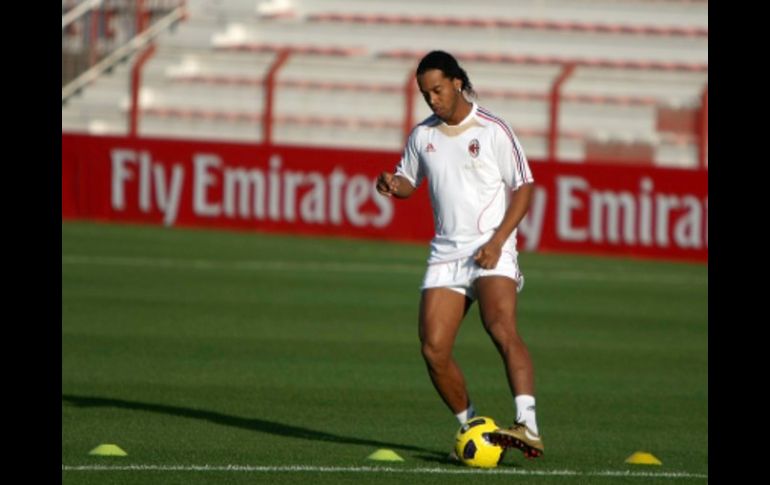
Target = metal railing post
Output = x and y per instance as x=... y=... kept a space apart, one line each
x=139 y=21
x=553 y=129
x=136 y=81
x=93 y=38
x=269 y=86
x=121 y=53
x=409 y=87
x=703 y=130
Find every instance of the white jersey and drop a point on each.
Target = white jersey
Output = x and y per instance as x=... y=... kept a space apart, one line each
x=471 y=169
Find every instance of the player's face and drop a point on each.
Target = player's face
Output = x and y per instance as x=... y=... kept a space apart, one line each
x=441 y=93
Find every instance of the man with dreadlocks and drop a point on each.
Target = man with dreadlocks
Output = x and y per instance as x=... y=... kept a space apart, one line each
x=480 y=187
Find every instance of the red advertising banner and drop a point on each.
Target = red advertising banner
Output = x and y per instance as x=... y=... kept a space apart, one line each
x=630 y=211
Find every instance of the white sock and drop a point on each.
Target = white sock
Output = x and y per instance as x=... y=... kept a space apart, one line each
x=525 y=411
x=464 y=416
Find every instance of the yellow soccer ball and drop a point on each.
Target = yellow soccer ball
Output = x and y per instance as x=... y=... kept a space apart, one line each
x=472 y=446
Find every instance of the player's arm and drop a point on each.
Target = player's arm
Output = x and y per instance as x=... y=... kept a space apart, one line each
x=488 y=254
x=389 y=184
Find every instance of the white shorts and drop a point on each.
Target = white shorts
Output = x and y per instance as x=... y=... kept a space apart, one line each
x=460 y=275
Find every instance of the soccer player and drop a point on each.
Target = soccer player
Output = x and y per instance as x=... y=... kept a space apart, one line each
x=480 y=187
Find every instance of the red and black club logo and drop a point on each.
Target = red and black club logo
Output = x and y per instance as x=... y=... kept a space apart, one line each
x=473 y=148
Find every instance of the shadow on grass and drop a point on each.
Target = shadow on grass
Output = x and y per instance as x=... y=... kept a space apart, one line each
x=252 y=424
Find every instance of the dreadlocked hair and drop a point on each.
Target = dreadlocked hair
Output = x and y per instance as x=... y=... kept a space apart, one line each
x=447 y=64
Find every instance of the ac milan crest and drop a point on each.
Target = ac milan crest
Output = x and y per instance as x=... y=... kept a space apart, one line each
x=473 y=148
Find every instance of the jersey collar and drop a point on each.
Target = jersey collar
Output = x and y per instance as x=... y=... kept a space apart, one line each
x=468 y=118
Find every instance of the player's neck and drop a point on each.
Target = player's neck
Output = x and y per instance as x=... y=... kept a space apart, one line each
x=463 y=110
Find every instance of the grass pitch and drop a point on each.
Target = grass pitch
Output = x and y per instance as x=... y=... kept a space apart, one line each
x=215 y=357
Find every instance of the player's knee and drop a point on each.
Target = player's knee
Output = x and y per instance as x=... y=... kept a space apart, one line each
x=436 y=355
x=504 y=335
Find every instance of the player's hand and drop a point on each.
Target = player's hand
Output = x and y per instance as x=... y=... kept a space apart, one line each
x=488 y=255
x=387 y=184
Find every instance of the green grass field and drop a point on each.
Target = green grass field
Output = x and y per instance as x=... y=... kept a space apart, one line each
x=295 y=358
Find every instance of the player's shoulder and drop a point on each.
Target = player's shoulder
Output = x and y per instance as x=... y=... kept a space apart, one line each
x=421 y=127
x=489 y=119
x=429 y=122
x=494 y=122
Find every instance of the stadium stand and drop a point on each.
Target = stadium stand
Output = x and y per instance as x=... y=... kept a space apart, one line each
x=636 y=81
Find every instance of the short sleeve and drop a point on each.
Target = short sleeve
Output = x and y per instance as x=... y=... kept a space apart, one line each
x=409 y=166
x=511 y=160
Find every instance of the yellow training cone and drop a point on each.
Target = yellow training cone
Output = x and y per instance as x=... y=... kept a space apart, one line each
x=107 y=450
x=384 y=455
x=643 y=458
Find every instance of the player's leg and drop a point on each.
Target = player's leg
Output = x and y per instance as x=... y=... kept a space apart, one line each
x=441 y=313
x=497 y=304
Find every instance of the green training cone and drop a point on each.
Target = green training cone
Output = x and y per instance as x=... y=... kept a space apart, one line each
x=643 y=458
x=107 y=450
x=384 y=455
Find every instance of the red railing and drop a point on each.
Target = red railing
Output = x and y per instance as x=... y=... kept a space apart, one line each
x=703 y=133
x=409 y=91
x=136 y=82
x=555 y=97
x=94 y=30
x=529 y=24
x=267 y=122
x=553 y=132
x=142 y=21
